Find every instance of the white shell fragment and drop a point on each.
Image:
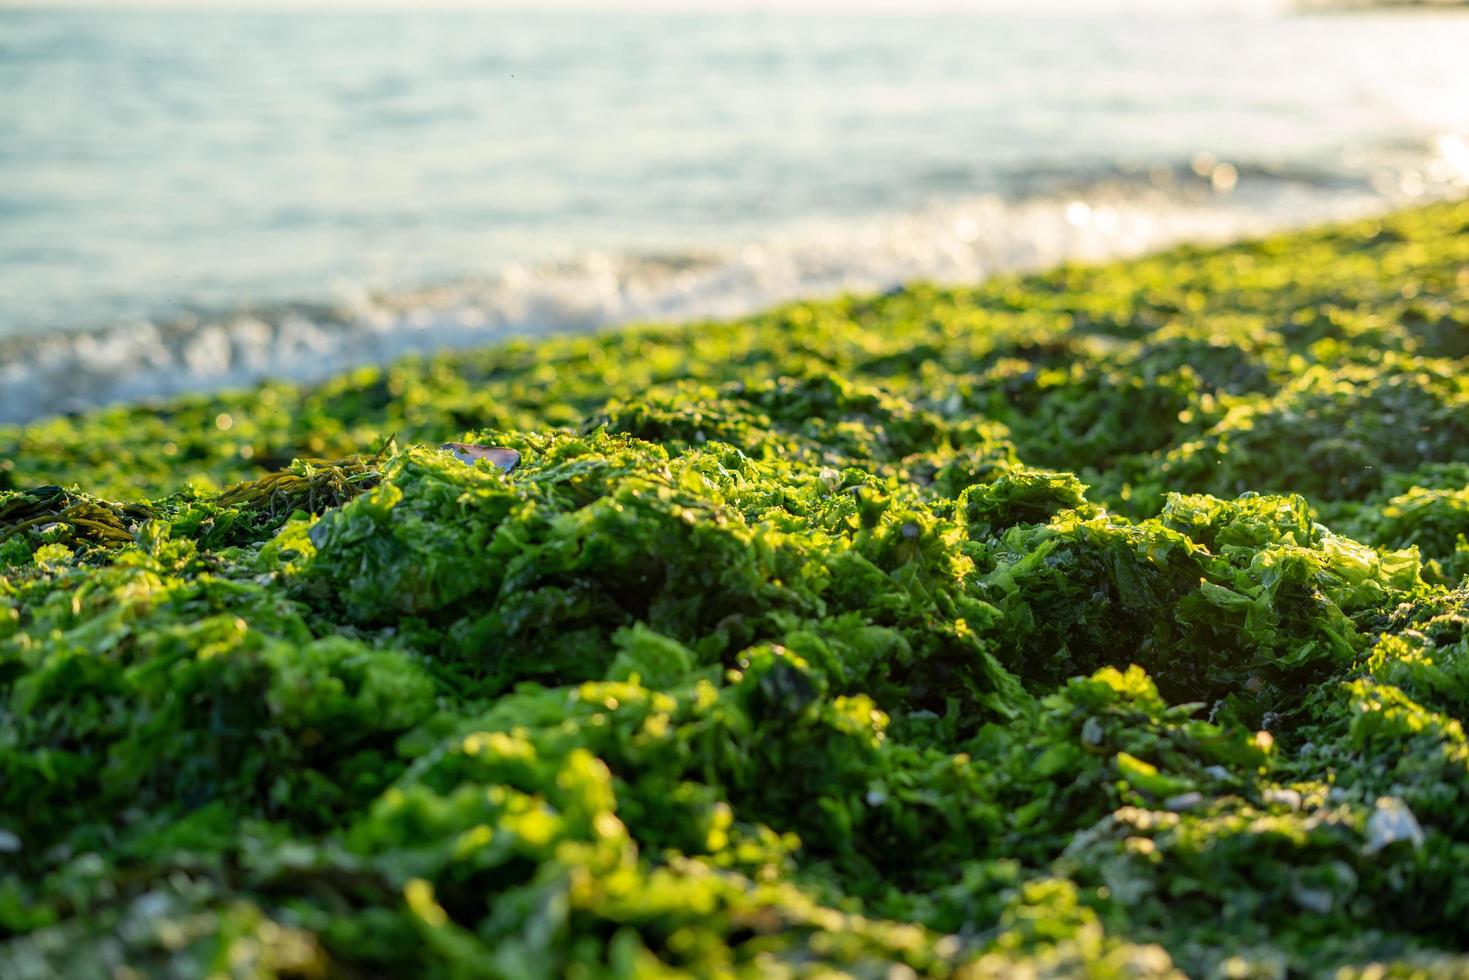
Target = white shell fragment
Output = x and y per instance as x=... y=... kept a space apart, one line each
x=1391 y=822
x=501 y=457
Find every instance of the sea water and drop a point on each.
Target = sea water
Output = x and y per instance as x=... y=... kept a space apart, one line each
x=195 y=199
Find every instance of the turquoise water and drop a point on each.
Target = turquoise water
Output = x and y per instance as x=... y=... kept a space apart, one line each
x=199 y=198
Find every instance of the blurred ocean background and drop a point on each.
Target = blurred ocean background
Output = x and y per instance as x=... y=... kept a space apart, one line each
x=198 y=198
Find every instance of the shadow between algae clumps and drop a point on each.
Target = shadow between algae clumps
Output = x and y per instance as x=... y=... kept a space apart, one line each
x=1110 y=621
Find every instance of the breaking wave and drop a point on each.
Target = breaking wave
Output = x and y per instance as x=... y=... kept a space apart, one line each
x=958 y=241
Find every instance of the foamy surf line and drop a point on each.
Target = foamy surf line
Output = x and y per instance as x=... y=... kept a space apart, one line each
x=962 y=242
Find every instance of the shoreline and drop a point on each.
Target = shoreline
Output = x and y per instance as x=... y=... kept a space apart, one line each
x=228 y=450
x=963 y=241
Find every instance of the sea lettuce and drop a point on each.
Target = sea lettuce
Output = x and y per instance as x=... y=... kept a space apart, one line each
x=1107 y=622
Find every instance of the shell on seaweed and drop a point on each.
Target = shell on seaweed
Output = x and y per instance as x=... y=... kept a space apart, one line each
x=502 y=457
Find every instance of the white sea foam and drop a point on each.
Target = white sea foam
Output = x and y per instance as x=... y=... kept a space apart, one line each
x=956 y=242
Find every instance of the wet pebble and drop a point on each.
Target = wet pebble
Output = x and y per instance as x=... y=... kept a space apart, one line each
x=1184 y=802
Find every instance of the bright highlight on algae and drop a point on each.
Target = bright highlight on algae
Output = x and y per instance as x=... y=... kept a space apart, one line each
x=1107 y=622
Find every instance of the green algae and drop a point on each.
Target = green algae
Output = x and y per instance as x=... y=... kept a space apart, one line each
x=1107 y=622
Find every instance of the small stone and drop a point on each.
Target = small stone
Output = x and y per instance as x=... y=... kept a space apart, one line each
x=1317 y=900
x=151 y=906
x=1184 y=802
x=501 y=457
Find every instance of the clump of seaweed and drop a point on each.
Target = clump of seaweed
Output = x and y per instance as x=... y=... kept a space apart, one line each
x=250 y=512
x=62 y=516
x=1108 y=622
x=309 y=485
